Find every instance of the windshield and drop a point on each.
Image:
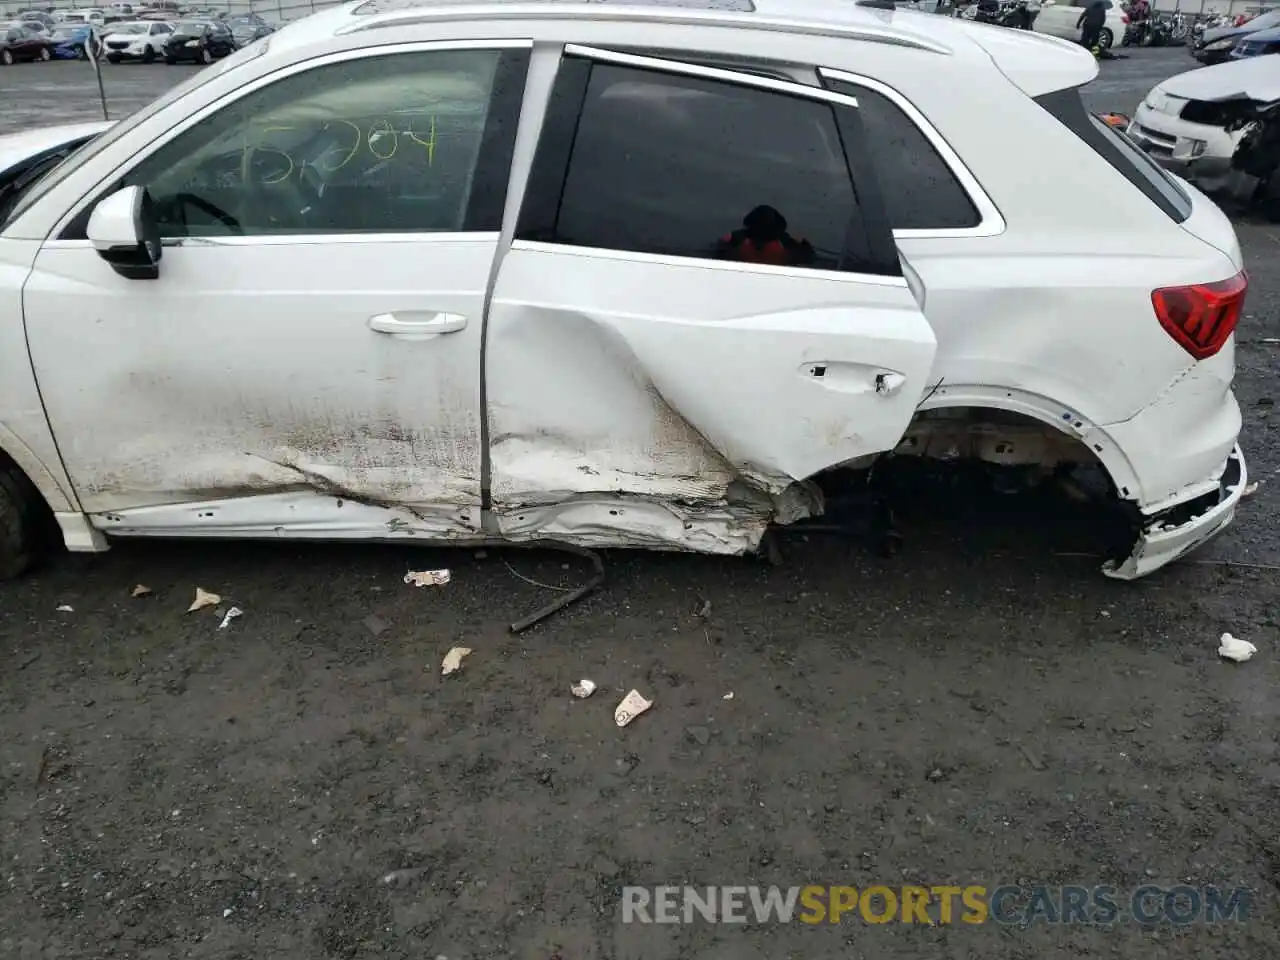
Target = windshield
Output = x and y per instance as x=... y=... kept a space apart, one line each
x=129 y=28
x=104 y=140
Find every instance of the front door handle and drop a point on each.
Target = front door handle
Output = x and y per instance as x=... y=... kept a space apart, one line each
x=417 y=324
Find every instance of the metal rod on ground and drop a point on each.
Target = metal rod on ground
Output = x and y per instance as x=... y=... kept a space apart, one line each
x=571 y=597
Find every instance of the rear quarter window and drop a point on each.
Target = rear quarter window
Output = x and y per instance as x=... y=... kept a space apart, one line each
x=920 y=191
x=1125 y=157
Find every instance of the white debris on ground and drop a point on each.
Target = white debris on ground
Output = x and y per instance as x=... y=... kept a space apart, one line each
x=231 y=615
x=66 y=608
x=453 y=660
x=632 y=706
x=1233 y=648
x=728 y=696
x=141 y=590
x=583 y=688
x=203 y=599
x=427 y=578
x=1250 y=490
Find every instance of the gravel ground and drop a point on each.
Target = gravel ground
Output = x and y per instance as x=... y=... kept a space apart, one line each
x=979 y=709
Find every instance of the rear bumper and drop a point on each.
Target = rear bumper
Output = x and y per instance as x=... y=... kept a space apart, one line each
x=1163 y=541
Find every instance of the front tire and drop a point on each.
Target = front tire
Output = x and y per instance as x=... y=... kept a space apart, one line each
x=206 y=55
x=6 y=57
x=149 y=56
x=19 y=524
x=45 y=54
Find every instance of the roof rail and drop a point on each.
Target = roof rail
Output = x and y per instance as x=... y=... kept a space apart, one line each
x=443 y=11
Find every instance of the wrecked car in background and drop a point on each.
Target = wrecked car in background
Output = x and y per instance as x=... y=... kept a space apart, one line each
x=1215 y=126
x=361 y=281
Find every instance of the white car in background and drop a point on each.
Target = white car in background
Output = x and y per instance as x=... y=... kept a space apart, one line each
x=95 y=18
x=1058 y=18
x=143 y=40
x=1182 y=122
x=609 y=274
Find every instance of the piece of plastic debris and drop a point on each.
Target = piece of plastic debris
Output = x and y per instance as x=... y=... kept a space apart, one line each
x=453 y=660
x=1233 y=648
x=728 y=696
x=704 y=611
x=203 y=599
x=141 y=590
x=402 y=878
x=427 y=578
x=1250 y=490
x=66 y=608
x=632 y=706
x=231 y=615
x=583 y=688
x=227 y=912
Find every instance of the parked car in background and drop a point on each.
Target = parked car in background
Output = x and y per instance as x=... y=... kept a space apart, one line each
x=1186 y=123
x=198 y=41
x=94 y=18
x=38 y=16
x=248 y=28
x=140 y=40
x=1215 y=46
x=1059 y=18
x=72 y=41
x=24 y=40
x=1259 y=44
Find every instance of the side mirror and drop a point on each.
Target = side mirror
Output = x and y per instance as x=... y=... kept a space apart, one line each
x=125 y=233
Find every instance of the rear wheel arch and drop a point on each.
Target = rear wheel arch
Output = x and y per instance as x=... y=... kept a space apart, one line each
x=1060 y=417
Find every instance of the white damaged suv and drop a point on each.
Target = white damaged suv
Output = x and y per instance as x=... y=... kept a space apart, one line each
x=612 y=274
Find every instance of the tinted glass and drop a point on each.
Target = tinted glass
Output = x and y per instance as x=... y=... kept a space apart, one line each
x=920 y=191
x=381 y=144
x=678 y=165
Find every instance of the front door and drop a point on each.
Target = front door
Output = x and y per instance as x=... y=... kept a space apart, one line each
x=315 y=331
x=700 y=307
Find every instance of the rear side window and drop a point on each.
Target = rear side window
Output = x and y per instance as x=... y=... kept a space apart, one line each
x=920 y=190
x=664 y=163
x=1119 y=151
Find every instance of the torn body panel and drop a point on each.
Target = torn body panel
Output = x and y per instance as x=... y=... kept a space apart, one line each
x=706 y=385
x=295 y=514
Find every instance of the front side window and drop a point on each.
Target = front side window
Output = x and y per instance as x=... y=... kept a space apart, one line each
x=665 y=163
x=393 y=143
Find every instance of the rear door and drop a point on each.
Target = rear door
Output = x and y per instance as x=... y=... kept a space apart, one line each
x=702 y=291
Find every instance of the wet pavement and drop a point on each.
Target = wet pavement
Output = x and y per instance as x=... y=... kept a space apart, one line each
x=984 y=708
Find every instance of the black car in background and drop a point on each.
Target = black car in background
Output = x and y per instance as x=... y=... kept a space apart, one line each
x=198 y=41
x=1215 y=46
x=24 y=40
x=248 y=28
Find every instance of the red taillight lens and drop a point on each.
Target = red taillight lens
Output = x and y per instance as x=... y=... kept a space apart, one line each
x=1124 y=18
x=1202 y=316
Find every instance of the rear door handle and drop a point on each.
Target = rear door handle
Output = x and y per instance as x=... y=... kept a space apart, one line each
x=417 y=323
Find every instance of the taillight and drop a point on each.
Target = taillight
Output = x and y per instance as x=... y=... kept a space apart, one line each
x=1124 y=18
x=1202 y=316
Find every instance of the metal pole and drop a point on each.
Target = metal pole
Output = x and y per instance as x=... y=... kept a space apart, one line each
x=95 y=49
